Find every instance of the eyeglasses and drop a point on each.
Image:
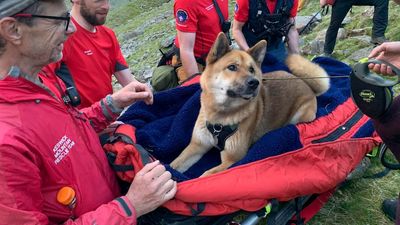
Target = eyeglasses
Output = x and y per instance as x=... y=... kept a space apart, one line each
x=67 y=18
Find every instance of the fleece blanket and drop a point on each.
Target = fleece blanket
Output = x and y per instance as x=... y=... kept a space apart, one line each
x=165 y=127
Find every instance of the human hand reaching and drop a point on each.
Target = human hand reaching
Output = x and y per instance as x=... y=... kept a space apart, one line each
x=131 y=93
x=389 y=52
x=151 y=187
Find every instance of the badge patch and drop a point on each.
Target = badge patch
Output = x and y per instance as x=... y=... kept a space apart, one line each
x=181 y=16
x=236 y=7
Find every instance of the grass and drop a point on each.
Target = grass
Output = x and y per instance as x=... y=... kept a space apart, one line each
x=357 y=203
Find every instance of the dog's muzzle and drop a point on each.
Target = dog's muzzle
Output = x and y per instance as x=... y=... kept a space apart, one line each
x=246 y=91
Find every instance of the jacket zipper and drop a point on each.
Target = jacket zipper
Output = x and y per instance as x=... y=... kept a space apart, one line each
x=340 y=131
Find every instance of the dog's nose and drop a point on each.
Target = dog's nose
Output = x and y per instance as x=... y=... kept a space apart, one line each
x=252 y=83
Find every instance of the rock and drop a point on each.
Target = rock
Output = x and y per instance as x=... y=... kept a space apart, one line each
x=363 y=38
x=131 y=34
x=362 y=53
x=342 y=34
x=368 y=12
x=356 y=32
x=167 y=42
x=317 y=47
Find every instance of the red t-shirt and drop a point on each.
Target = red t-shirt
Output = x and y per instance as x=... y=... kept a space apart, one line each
x=242 y=9
x=199 y=17
x=92 y=58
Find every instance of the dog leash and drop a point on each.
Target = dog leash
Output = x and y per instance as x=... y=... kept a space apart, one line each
x=361 y=71
x=306 y=78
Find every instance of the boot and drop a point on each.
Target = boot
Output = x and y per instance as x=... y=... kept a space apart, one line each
x=389 y=208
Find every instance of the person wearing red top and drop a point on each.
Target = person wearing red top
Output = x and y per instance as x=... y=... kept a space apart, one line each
x=271 y=20
x=197 y=24
x=47 y=145
x=92 y=55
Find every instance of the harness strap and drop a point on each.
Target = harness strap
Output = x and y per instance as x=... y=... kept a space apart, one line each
x=221 y=132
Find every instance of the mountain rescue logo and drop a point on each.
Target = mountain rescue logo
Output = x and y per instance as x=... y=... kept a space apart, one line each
x=62 y=148
x=181 y=16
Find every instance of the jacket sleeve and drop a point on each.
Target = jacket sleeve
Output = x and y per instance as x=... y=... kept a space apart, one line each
x=22 y=200
x=100 y=115
x=118 y=211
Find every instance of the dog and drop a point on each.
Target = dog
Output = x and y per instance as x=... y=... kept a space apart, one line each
x=239 y=104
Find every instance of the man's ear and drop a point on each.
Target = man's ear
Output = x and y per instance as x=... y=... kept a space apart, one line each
x=219 y=48
x=11 y=30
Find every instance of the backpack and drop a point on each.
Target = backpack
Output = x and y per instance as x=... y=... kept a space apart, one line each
x=124 y=155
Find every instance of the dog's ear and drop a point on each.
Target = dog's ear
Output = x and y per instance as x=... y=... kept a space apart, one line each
x=219 y=48
x=258 y=51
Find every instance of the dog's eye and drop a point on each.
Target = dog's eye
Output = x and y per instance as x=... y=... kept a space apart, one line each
x=251 y=69
x=232 y=67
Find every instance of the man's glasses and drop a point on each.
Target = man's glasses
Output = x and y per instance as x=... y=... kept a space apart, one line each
x=67 y=18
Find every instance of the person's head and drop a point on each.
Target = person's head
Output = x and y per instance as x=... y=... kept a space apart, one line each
x=34 y=30
x=93 y=11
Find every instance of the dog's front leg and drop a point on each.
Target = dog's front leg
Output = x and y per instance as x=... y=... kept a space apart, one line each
x=190 y=155
x=234 y=151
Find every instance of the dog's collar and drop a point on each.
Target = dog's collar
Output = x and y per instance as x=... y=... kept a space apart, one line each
x=221 y=132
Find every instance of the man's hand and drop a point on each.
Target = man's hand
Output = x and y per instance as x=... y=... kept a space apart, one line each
x=151 y=187
x=389 y=52
x=322 y=3
x=131 y=93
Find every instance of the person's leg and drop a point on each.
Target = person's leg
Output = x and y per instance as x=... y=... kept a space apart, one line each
x=339 y=12
x=389 y=207
x=381 y=14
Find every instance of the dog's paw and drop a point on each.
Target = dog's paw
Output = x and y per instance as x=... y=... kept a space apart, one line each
x=176 y=166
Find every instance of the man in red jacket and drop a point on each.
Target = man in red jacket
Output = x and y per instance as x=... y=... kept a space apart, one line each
x=47 y=145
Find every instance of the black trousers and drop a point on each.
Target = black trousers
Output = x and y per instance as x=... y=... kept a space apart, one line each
x=340 y=10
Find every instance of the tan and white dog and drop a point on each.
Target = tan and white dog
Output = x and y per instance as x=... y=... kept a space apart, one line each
x=242 y=104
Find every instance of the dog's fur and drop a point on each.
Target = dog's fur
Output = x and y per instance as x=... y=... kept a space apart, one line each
x=231 y=95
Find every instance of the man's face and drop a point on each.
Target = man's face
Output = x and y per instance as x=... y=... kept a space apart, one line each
x=95 y=11
x=43 y=42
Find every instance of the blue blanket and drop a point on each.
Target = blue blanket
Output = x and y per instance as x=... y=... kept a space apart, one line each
x=165 y=128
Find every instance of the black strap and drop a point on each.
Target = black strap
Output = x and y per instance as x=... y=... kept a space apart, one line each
x=118 y=168
x=382 y=153
x=298 y=208
x=221 y=132
x=310 y=22
x=225 y=25
x=221 y=17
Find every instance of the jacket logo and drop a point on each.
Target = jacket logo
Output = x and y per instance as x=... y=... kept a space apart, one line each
x=208 y=8
x=88 y=52
x=181 y=16
x=62 y=148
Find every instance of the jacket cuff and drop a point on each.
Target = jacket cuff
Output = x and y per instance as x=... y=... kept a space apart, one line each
x=126 y=206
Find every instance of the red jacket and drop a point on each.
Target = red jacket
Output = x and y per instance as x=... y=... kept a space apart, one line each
x=46 y=145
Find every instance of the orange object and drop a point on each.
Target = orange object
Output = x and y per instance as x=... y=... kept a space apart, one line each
x=66 y=196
